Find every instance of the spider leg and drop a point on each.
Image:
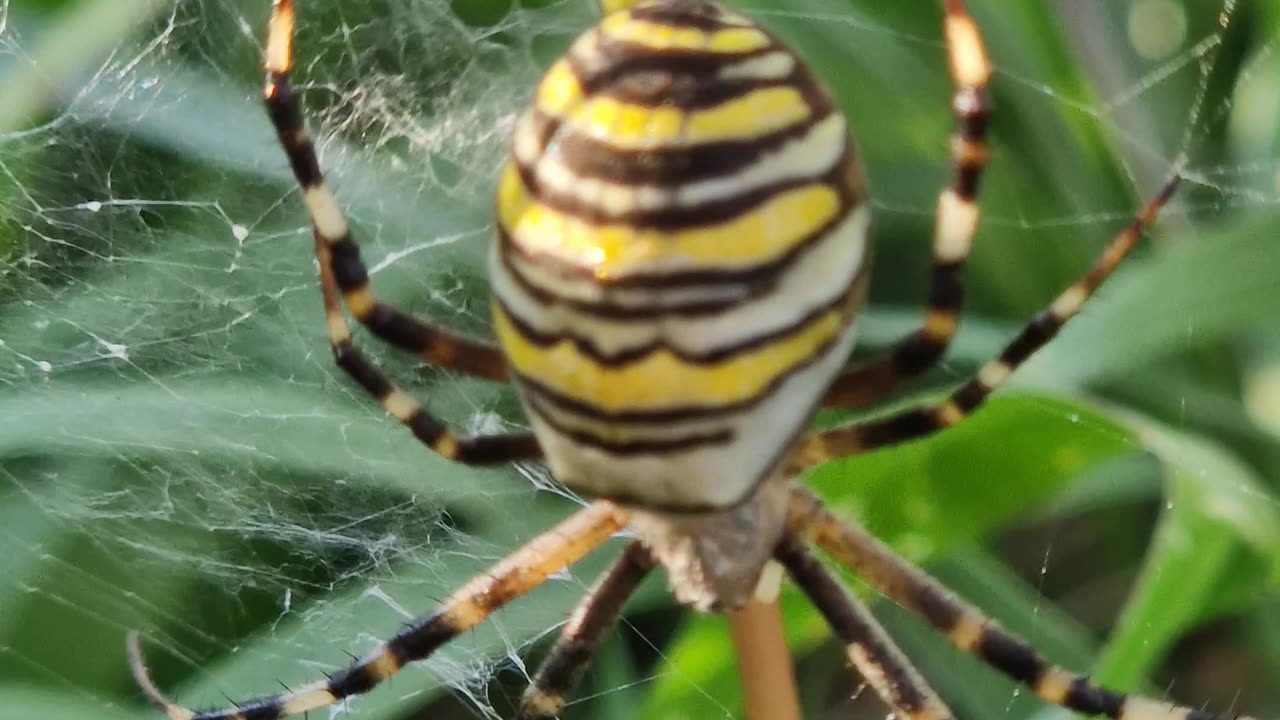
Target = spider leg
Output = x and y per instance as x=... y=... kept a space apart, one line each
x=471 y=449
x=965 y=625
x=868 y=646
x=954 y=224
x=519 y=572
x=924 y=420
x=583 y=633
x=344 y=278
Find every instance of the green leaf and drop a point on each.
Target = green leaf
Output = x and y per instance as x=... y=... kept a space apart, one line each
x=1217 y=544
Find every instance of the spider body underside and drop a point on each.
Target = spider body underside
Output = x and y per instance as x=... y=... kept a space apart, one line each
x=681 y=251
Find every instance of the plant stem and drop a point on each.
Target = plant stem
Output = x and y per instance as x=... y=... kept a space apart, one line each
x=764 y=662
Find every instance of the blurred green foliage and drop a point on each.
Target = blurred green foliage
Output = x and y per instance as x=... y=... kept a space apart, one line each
x=178 y=455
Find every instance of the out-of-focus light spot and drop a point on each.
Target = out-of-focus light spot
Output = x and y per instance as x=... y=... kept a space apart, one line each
x=1255 y=118
x=1157 y=28
x=1262 y=397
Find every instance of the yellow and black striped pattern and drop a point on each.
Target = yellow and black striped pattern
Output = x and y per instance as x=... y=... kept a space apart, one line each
x=681 y=236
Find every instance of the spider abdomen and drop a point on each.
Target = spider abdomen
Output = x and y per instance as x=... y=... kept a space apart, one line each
x=680 y=252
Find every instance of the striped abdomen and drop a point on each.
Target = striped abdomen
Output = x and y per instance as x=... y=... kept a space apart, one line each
x=681 y=239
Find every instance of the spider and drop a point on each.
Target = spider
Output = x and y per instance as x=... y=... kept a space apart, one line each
x=681 y=250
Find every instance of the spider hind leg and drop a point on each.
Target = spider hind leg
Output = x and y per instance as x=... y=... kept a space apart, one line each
x=964 y=625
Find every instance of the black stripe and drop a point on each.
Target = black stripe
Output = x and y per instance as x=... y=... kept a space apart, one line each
x=1091 y=700
x=936 y=606
x=286 y=115
x=893 y=429
x=1010 y=655
x=498 y=449
x=355 y=680
x=418 y=640
x=619 y=311
x=970 y=395
x=402 y=330
x=946 y=285
x=685 y=92
x=1034 y=335
x=670 y=166
x=425 y=427
x=694 y=14
x=915 y=354
x=586 y=346
x=351 y=360
x=968 y=176
x=349 y=270
x=619 y=58
x=973 y=113
x=653 y=446
x=678 y=217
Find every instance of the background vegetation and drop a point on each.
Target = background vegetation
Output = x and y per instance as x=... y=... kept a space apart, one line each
x=177 y=454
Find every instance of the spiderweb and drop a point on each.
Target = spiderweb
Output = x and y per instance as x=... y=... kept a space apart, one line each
x=179 y=454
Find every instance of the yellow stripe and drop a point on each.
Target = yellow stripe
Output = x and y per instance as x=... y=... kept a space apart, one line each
x=559 y=90
x=1054 y=685
x=360 y=301
x=632 y=127
x=613 y=250
x=660 y=380
x=306 y=700
x=383 y=665
x=446 y=446
x=463 y=612
x=629 y=126
x=967 y=631
x=940 y=324
x=656 y=36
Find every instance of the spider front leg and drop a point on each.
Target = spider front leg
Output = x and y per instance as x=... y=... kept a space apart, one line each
x=344 y=279
x=924 y=420
x=955 y=222
x=515 y=575
x=967 y=627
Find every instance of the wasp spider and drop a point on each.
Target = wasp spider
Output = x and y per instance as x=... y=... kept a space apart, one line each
x=681 y=249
